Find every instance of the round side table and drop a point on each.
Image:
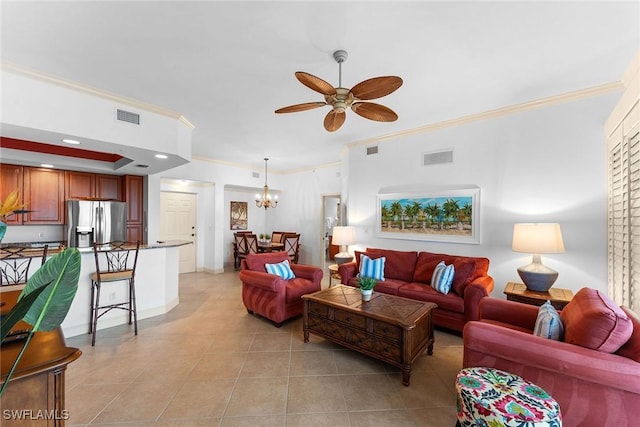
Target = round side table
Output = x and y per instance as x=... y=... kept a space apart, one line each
x=333 y=273
x=491 y=397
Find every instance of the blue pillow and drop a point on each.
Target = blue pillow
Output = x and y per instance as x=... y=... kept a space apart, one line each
x=548 y=323
x=282 y=269
x=372 y=267
x=442 y=277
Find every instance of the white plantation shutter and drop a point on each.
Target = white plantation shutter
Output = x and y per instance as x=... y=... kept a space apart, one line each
x=624 y=220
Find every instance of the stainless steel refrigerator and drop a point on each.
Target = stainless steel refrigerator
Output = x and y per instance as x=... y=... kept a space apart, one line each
x=91 y=222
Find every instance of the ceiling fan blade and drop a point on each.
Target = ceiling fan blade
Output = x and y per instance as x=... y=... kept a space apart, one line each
x=376 y=87
x=315 y=83
x=334 y=120
x=300 y=107
x=372 y=111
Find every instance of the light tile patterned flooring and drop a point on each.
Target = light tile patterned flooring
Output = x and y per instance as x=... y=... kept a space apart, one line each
x=209 y=363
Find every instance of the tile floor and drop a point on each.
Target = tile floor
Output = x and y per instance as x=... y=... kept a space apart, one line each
x=209 y=363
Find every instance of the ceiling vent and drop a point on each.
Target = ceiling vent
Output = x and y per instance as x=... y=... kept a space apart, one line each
x=437 y=158
x=141 y=166
x=128 y=116
x=372 y=150
x=255 y=174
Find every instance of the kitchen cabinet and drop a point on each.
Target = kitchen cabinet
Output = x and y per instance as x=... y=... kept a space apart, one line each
x=10 y=180
x=84 y=185
x=44 y=190
x=134 y=196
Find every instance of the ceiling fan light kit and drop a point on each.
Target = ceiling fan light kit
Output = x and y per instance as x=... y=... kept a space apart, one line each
x=340 y=98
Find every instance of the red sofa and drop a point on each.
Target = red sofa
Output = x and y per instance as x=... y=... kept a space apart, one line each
x=270 y=295
x=408 y=274
x=594 y=387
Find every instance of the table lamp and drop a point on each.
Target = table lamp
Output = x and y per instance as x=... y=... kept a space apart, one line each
x=343 y=236
x=536 y=239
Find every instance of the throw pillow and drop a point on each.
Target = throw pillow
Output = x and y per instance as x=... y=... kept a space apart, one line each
x=595 y=321
x=281 y=269
x=372 y=267
x=548 y=323
x=631 y=348
x=442 y=277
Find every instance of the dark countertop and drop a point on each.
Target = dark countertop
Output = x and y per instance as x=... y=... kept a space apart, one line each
x=54 y=247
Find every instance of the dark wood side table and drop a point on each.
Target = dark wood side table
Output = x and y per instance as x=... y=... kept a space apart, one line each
x=519 y=292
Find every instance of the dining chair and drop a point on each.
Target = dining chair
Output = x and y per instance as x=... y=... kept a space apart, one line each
x=292 y=246
x=276 y=237
x=15 y=262
x=239 y=247
x=250 y=243
x=115 y=262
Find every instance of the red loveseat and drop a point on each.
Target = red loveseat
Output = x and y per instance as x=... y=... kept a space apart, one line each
x=408 y=274
x=270 y=295
x=594 y=373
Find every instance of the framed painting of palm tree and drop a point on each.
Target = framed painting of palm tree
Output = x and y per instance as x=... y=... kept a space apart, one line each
x=439 y=214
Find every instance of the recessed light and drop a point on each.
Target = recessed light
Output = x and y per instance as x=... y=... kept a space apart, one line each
x=162 y=156
x=46 y=165
x=71 y=141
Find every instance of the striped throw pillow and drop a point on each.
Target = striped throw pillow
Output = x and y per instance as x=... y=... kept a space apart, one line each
x=442 y=277
x=548 y=323
x=372 y=267
x=281 y=269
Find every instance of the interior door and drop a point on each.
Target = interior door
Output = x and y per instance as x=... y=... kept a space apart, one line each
x=178 y=222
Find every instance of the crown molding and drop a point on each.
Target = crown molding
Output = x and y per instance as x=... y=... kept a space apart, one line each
x=89 y=90
x=594 y=91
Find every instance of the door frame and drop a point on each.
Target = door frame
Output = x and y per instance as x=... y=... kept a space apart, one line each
x=325 y=229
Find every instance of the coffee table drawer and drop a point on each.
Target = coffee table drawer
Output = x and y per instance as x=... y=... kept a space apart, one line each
x=351 y=319
x=319 y=309
x=388 y=331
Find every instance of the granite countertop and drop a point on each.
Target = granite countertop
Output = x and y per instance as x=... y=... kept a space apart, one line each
x=54 y=247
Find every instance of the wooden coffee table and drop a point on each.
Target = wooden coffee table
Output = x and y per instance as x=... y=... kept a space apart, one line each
x=392 y=329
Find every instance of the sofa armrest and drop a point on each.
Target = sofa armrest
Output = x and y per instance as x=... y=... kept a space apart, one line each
x=510 y=312
x=474 y=292
x=308 y=272
x=347 y=271
x=262 y=280
x=518 y=349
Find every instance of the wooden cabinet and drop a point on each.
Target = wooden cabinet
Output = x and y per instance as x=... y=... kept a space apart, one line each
x=11 y=179
x=44 y=190
x=84 y=185
x=134 y=196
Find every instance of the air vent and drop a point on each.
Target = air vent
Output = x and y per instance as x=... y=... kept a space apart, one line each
x=437 y=158
x=128 y=116
x=255 y=174
x=141 y=166
x=372 y=150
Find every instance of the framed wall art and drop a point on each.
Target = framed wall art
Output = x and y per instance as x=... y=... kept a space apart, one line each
x=239 y=215
x=446 y=215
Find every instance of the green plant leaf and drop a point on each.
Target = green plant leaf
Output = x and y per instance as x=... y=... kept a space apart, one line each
x=62 y=272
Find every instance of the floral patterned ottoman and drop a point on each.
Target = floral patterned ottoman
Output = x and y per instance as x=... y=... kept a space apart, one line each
x=494 y=398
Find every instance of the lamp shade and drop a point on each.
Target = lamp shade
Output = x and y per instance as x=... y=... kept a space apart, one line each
x=343 y=235
x=537 y=238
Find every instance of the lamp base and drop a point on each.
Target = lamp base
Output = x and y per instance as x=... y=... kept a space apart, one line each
x=536 y=276
x=342 y=257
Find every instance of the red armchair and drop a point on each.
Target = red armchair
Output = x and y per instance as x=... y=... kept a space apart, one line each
x=271 y=296
x=594 y=388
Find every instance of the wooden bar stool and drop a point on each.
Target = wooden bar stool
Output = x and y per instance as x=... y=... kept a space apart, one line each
x=115 y=261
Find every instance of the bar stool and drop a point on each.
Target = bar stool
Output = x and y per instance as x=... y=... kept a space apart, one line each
x=15 y=262
x=115 y=261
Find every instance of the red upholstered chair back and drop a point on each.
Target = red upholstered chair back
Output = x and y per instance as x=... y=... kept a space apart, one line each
x=256 y=262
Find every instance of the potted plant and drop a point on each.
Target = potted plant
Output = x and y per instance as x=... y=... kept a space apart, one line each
x=366 y=285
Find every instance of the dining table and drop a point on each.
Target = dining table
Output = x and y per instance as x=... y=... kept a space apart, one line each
x=270 y=247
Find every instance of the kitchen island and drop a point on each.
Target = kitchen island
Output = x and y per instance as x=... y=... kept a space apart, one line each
x=156 y=287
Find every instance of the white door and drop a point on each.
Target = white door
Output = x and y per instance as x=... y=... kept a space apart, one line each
x=178 y=222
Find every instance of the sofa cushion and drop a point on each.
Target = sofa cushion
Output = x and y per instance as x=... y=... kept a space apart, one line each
x=256 y=262
x=465 y=269
x=399 y=265
x=592 y=320
x=418 y=291
x=442 y=277
x=389 y=286
x=425 y=265
x=372 y=267
x=548 y=323
x=281 y=269
x=631 y=348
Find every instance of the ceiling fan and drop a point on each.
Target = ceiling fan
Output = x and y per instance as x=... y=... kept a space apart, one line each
x=340 y=98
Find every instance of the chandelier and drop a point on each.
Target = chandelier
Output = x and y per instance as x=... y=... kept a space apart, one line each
x=266 y=201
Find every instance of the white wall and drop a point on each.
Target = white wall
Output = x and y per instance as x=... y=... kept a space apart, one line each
x=544 y=165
